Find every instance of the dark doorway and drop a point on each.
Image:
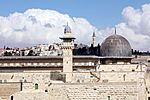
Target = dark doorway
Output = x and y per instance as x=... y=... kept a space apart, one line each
x=124 y=77
x=12 y=97
x=36 y=86
x=108 y=97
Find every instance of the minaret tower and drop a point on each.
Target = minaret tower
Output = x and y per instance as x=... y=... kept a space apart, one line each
x=94 y=39
x=115 y=31
x=67 y=47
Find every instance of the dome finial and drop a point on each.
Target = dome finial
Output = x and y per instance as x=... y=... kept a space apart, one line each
x=67 y=29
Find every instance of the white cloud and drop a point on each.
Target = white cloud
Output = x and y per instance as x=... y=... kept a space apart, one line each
x=135 y=27
x=36 y=26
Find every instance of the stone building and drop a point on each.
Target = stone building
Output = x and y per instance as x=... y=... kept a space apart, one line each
x=111 y=76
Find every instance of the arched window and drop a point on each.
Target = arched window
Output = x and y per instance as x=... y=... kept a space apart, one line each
x=124 y=77
x=11 y=97
x=108 y=97
x=36 y=86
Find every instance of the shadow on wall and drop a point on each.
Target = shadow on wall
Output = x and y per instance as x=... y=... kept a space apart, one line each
x=57 y=76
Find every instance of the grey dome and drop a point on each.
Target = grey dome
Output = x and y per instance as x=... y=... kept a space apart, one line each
x=67 y=29
x=116 y=46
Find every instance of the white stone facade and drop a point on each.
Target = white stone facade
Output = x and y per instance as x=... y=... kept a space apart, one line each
x=100 y=85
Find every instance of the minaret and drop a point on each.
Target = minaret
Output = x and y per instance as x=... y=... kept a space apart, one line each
x=115 y=31
x=67 y=48
x=94 y=39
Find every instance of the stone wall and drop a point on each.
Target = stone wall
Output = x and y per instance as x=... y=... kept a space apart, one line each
x=30 y=95
x=7 y=89
x=122 y=67
x=114 y=91
x=121 y=83
x=77 y=77
x=108 y=76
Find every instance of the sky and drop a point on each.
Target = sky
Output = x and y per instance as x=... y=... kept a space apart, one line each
x=101 y=13
x=22 y=19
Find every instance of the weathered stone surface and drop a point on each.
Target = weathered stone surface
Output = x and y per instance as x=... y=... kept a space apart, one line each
x=31 y=95
x=116 y=46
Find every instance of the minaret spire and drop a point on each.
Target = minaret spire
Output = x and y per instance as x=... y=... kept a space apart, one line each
x=94 y=34
x=115 y=31
x=94 y=39
x=67 y=29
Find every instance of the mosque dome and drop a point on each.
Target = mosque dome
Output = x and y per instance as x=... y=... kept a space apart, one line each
x=116 y=46
x=67 y=29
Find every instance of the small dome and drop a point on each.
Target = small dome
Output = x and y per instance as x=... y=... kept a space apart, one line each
x=67 y=29
x=116 y=46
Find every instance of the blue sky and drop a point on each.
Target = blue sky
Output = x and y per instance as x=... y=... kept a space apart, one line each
x=100 y=13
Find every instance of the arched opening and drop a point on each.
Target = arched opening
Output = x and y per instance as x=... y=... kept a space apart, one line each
x=133 y=70
x=11 y=97
x=36 y=86
x=108 y=97
x=124 y=77
x=21 y=86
